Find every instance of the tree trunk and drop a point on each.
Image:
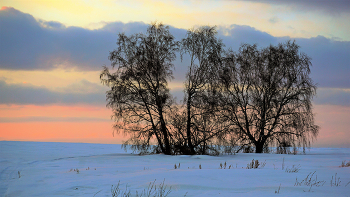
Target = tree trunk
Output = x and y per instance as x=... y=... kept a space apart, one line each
x=188 y=129
x=167 y=144
x=160 y=143
x=259 y=147
x=165 y=134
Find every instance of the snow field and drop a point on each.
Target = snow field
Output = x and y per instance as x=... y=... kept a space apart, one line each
x=49 y=169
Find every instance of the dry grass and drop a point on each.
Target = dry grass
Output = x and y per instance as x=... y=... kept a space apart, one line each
x=344 y=164
x=153 y=190
x=255 y=164
x=293 y=169
x=335 y=181
x=310 y=180
x=278 y=191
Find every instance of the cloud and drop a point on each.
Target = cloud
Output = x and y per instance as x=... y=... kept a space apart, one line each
x=28 y=94
x=52 y=24
x=234 y=35
x=330 y=58
x=332 y=96
x=327 y=6
x=30 y=44
x=82 y=92
x=82 y=87
x=274 y=20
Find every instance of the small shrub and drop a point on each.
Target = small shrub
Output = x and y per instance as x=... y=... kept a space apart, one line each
x=223 y=166
x=344 y=164
x=255 y=164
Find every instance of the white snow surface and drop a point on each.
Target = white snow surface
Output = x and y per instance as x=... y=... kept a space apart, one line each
x=48 y=169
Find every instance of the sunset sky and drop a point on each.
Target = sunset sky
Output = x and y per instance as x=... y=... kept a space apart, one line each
x=52 y=52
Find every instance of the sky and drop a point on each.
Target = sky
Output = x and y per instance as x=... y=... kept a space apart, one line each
x=52 y=52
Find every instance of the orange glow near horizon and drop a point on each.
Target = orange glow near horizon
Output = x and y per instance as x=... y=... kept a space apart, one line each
x=86 y=132
x=97 y=128
x=333 y=121
x=90 y=111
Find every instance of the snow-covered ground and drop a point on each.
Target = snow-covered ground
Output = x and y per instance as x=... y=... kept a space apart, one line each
x=49 y=169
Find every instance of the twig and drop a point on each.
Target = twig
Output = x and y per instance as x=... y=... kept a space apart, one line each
x=278 y=191
x=97 y=192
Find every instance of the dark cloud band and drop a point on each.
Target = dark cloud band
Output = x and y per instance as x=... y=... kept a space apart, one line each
x=27 y=94
x=333 y=96
x=30 y=44
x=333 y=7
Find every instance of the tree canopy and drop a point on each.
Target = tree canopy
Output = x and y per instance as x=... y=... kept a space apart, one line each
x=139 y=94
x=247 y=99
x=266 y=95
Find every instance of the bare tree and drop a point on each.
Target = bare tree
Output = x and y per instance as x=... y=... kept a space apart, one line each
x=139 y=94
x=266 y=96
x=204 y=49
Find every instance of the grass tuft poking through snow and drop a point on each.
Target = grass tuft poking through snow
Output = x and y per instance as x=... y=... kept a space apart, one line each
x=116 y=191
x=255 y=164
x=335 y=181
x=152 y=191
x=278 y=190
x=310 y=181
x=344 y=164
x=293 y=169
